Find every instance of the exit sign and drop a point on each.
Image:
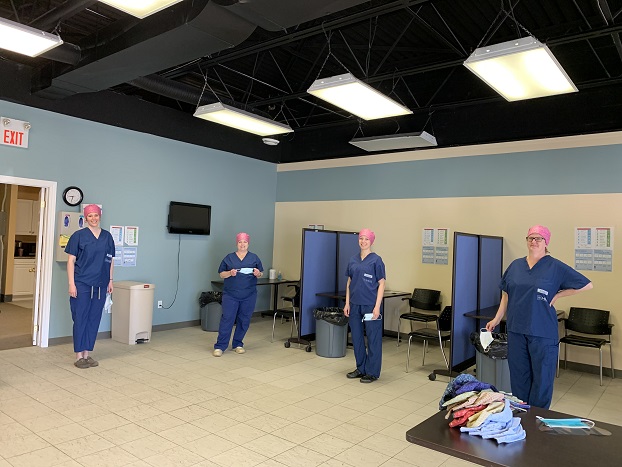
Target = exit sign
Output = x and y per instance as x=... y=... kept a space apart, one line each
x=14 y=132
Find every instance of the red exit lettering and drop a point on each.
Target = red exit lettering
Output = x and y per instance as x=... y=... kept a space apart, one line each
x=13 y=137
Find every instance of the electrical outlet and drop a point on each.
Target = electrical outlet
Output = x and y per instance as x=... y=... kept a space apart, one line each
x=159 y=303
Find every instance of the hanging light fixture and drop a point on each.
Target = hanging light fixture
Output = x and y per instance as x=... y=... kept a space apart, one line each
x=358 y=98
x=400 y=141
x=26 y=40
x=241 y=120
x=141 y=8
x=520 y=69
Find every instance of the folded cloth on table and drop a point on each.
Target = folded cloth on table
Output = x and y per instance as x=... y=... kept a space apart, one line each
x=503 y=416
x=450 y=389
x=459 y=398
x=461 y=405
x=461 y=417
x=512 y=437
x=479 y=418
x=475 y=386
x=512 y=428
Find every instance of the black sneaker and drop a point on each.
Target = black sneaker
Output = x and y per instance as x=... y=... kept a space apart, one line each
x=355 y=374
x=368 y=379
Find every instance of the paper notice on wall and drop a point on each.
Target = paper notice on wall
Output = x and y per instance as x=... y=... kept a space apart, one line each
x=593 y=249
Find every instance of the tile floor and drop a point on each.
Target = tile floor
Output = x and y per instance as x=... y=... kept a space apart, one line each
x=170 y=403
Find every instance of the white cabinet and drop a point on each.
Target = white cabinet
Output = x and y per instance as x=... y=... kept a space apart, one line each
x=24 y=277
x=27 y=221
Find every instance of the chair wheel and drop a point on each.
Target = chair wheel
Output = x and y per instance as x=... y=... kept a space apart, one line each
x=432 y=376
x=308 y=349
x=287 y=344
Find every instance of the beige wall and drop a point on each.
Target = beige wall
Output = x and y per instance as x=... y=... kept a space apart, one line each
x=398 y=225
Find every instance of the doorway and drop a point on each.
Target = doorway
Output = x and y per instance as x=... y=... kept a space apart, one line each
x=26 y=254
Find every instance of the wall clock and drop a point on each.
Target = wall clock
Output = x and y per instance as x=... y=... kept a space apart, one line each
x=73 y=196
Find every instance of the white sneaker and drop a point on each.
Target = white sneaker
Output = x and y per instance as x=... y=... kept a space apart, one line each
x=239 y=350
x=217 y=353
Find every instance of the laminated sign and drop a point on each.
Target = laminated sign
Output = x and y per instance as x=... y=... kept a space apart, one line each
x=14 y=132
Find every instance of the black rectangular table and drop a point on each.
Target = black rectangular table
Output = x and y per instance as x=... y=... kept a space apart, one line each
x=274 y=283
x=537 y=449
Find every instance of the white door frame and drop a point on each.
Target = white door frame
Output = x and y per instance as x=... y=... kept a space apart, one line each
x=45 y=251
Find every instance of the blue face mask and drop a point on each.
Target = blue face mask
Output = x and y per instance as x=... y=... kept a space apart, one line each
x=567 y=422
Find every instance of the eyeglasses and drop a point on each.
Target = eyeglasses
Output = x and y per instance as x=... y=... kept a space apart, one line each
x=534 y=239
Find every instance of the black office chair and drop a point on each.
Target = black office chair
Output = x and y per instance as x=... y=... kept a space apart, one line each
x=421 y=299
x=442 y=333
x=587 y=321
x=290 y=312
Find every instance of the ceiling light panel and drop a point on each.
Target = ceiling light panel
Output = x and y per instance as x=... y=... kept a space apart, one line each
x=358 y=98
x=26 y=40
x=140 y=8
x=241 y=120
x=520 y=69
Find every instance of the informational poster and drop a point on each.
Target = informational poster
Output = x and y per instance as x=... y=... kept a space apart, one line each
x=435 y=246
x=594 y=249
x=117 y=234
x=129 y=256
x=131 y=235
x=118 y=256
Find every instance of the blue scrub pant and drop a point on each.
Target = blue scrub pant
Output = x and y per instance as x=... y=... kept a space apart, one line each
x=86 y=312
x=238 y=312
x=533 y=363
x=368 y=360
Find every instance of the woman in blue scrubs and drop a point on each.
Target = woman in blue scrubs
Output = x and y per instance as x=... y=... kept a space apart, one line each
x=240 y=271
x=89 y=271
x=530 y=287
x=364 y=292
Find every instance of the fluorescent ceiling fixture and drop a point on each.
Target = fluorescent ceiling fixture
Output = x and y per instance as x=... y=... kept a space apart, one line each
x=26 y=40
x=356 y=97
x=520 y=69
x=140 y=8
x=395 y=142
x=241 y=120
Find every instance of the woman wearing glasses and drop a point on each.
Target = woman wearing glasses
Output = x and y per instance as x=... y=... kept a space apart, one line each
x=530 y=287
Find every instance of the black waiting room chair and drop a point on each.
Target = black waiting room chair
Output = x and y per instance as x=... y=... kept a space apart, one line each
x=442 y=333
x=588 y=323
x=424 y=307
x=289 y=313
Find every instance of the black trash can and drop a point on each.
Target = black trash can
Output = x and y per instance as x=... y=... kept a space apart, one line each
x=331 y=332
x=492 y=364
x=211 y=310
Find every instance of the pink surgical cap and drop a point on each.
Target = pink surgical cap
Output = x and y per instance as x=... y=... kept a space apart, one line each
x=92 y=208
x=540 y=229
x=242 y=236
x=369 y=234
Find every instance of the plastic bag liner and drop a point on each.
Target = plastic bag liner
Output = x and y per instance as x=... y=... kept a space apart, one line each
x=210 y=297
x=332 y=315
x=498 y=349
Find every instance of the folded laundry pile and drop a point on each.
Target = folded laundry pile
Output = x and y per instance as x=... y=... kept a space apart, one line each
x=480 y=410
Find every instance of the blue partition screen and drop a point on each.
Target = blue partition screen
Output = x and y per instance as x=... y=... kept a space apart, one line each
x=348 y=244
x=491 y=263
x=464 y=299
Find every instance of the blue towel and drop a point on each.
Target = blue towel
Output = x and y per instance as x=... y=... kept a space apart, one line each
x=513 y=437
x=512 y=428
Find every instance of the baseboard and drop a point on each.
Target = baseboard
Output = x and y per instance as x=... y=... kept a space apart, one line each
x=6 y=298
x=585 y=368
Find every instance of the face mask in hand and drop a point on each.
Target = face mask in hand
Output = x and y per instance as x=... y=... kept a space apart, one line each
x=485 y=338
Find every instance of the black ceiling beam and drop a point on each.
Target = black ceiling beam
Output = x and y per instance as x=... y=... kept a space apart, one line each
x=295 y=36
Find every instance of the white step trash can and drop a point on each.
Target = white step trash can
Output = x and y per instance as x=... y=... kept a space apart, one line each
x=132 y=311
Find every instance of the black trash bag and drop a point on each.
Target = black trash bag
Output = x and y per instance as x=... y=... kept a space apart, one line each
x=331 y=314
x=210 y=297
x=498 y=348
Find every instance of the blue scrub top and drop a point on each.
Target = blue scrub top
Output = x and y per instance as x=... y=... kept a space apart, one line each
x=241 y=286
x=93 y=256
x=364 y=276
x=530 y=291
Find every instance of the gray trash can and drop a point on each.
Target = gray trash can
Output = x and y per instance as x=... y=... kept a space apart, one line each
x=211 y=310
x=492 y=366
x=331 y=332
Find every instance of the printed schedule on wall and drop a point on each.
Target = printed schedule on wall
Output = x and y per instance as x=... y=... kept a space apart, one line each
x=593 y=248
x=435 y=249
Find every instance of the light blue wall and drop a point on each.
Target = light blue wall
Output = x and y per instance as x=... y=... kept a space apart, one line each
x=134 y=176
x=563 y=171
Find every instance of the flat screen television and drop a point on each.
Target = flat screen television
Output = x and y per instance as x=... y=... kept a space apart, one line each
x=188 y=218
